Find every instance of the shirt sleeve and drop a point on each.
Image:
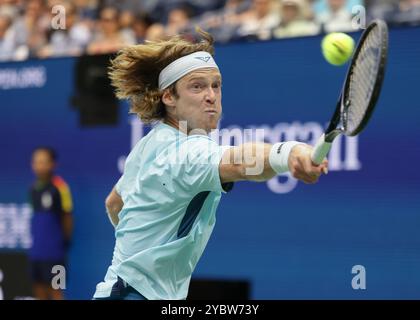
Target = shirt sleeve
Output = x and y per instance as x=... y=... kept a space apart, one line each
x=196 y=164
x=65 y=194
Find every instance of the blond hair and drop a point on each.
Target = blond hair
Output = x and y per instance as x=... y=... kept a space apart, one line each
x=135 y=72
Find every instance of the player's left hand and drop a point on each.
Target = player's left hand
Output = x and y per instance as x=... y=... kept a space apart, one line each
x=301 y=166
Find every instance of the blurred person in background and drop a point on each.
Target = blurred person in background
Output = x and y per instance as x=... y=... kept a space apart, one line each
x=86 y=9
x=224 y=23
x=70 y=41
x=32 y=28
x=203 y=6
x=377 y=9
x=319 y=6
x=259 y=21
x=161 y=10
x=133 y=6
x=397 y=12
x=294 y=23
x=336 y=18
x=408 y=13
x=141 y=24
x=178 y=20
x=52 y=223
x=7 y=38
x=126 y=21
x=108 y=37
x=156 y=32
x=11 y=7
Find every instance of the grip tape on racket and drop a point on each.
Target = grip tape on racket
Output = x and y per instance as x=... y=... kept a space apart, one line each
x=320 y=150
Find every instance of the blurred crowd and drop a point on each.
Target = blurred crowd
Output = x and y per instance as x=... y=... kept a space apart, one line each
x=105 y=26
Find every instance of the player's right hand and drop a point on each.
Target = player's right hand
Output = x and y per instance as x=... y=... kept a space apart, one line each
x=301 y=166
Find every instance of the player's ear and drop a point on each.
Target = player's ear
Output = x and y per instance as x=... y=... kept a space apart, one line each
x=168 y=98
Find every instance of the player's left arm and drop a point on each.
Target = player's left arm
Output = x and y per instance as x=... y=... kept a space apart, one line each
x=66 y=209
x=67 y=222
x=113 y=205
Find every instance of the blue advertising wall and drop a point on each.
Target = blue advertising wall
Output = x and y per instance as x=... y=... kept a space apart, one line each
x=290 y=240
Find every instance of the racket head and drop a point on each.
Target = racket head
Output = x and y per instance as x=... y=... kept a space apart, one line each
x=364 y=78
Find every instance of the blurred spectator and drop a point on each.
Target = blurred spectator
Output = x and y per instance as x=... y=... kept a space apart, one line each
x=293 y=21
x=320 y=6
x=126 y=21
x=12 y=8
x=161 y=9
x=108 y=38
x=408 y=12
x=337 y=17
x=7 y=38
x=259 y=20
x=134 y=6
x=156 y=32
x=396 y=12
x=25 y=25
x=86 y=9
x=377 y=9
x=178 y=20
x=52 y=223
x=202 y=6
x=86 y=14
x=141 y=24
x=70 y=41
x=224 y=24
x=31 y=29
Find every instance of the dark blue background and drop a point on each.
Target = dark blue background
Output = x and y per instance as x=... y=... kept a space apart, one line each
x=299 y=245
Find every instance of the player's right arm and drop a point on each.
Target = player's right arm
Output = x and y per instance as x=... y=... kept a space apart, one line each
x=113 y=205
x=261 y=162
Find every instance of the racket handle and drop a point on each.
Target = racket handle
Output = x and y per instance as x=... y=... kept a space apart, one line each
x=320 y=150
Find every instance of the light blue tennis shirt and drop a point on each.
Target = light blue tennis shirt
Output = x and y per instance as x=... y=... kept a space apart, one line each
x=171 y=189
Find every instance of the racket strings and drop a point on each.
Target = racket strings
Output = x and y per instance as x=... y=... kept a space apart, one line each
x=362 y=80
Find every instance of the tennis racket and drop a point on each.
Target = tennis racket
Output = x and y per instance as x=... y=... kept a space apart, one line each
x=361 y=89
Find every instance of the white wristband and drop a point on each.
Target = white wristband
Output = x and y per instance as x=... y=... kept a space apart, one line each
x=279 y=155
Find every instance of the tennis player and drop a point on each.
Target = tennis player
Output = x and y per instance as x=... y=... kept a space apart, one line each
x=164 y=205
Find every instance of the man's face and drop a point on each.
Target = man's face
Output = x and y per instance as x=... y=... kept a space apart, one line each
x=262 y=7
x=42 y=164
x=289 y=12
x=336 y=5
x=199 y=99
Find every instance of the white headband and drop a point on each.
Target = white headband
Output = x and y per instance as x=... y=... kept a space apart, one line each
x=180 y=67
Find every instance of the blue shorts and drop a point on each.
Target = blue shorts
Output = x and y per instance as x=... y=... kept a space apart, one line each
x=41 y=271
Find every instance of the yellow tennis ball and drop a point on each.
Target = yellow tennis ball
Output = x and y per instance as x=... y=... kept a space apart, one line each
x=337 y=48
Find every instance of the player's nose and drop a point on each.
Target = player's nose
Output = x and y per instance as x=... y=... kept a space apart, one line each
x=210 y=96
